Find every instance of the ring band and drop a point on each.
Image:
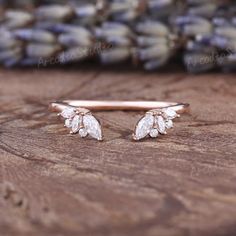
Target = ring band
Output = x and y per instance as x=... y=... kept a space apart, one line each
x=157 y=120
x=118 y=105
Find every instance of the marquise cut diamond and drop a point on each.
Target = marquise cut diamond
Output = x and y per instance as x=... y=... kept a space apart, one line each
x=169 y=113
x=161 y=126
x=68 y=113
x=75 y=124
x=144 y=126
x=92 y=126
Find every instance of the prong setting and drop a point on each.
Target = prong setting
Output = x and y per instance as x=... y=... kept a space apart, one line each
x=162 y=120
x=81 y=121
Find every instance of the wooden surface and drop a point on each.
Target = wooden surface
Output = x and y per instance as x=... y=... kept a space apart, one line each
x=56 y=184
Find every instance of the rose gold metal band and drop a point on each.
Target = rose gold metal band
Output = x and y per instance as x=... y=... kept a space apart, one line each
x=118 y=105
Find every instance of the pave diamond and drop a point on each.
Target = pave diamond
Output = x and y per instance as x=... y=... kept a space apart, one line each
x=83 y=132
x=68 y=113
x=169 y=124
x=75 y=124
x=92 y=126
x=154 y=133
x=161 y=126
x=68 y=123
x=169 y=113
x=144 y=126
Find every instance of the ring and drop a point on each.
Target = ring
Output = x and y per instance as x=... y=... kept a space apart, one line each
x=79 y=118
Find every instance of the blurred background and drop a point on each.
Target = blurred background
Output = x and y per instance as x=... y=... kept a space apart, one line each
x=198 y=36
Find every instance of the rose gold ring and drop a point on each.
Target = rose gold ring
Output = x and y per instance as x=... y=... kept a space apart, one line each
x=156 y=121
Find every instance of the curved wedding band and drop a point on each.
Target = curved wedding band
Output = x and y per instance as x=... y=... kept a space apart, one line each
x=156 y=121
x=118 y=105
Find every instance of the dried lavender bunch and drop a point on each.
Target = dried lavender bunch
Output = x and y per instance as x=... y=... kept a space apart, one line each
x=150 y=43
x=147 y=33
x=209 y=35
x=156 y=44
x=69 y=33
x=26 y=4
x=17 y=3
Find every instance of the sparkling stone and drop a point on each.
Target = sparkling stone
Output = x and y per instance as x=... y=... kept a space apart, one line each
x=161 y=125
x=154 y=133
x=92 y=126
x=75 y=124
x=144 y=126
x=68 y=113
x=169 y=113
x=68 y=123
x=83 y=132
x=169 y=124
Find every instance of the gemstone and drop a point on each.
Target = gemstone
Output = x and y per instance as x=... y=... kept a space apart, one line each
x=169 y=113
x=169 y=124
x=68 y=123
x=75 y=124
x=144 y=126
x=83 y=132
x=92 y=126
x=161 y=125
x=68 y=113
x=154 y=133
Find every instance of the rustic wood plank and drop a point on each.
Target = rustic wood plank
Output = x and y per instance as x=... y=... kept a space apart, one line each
x=52 y=183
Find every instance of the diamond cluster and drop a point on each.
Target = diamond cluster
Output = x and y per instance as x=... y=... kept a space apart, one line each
x=155 y=123
x=84 y=124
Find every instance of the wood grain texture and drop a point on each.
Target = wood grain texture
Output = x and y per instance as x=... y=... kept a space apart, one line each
x=56 y=184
